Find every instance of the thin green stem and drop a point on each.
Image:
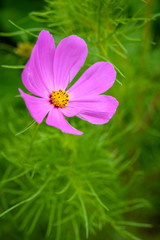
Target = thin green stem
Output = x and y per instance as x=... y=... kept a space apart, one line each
x=26 y=200
x=32 y=140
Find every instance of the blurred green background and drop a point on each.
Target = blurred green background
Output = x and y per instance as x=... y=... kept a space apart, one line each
x=117 y=164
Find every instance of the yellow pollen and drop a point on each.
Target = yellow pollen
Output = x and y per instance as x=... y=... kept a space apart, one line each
x=60 y=98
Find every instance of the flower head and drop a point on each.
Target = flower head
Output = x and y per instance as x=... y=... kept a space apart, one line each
x=47 y=74
x=24 y=49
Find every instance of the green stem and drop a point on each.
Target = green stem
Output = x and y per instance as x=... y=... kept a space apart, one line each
x=26 y=200
x=32 y=140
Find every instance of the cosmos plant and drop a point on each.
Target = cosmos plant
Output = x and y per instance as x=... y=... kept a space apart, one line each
x=47 y=75
x=70 y=187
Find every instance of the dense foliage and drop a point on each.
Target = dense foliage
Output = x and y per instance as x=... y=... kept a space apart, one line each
x=103 y=184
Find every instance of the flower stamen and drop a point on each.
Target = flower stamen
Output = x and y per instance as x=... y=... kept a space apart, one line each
x=60 y=98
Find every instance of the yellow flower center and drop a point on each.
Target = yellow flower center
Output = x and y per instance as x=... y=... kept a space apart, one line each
x=60 y=98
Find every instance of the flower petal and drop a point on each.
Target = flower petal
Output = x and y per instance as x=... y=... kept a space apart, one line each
x=56 y=119
x=70 y=110
x=37 y=76
x=38 y=107
x=95 y=80
x=70 y=56
x=97 y=110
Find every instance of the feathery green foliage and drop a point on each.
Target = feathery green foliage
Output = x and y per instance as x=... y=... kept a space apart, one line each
x=103 y=23
x=65 y=182
x=98 y=185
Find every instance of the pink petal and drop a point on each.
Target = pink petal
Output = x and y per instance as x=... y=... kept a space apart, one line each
x=37 y=76
x=70 y=110
x=97 y=110
x=95 y=80
x=38 y=107
x=56 y=119
x=70 y=56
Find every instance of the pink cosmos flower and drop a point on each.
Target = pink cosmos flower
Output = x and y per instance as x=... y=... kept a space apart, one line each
x=47 y=74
